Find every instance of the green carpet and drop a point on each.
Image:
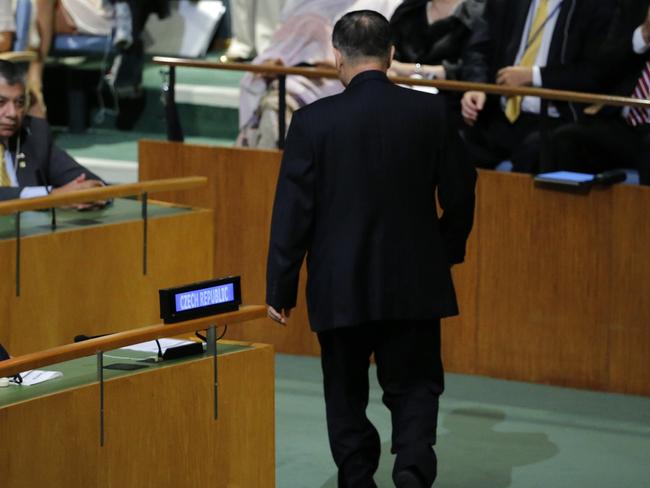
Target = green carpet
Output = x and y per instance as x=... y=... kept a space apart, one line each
x=492 y=434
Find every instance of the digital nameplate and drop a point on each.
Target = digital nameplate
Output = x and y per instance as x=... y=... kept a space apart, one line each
x=200 y=299
x=205 y=297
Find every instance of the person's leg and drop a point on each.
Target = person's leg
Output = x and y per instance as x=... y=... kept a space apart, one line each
x=242 y=16
x=267 y=17
x=591 y=146
x=643 y=155
x=354 y=441
x=488 y=142
x=50 y=18
x=7 y=26
x=410 y=372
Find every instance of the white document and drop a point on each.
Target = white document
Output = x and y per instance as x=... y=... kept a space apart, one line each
x=36 y=376
x=151 y=346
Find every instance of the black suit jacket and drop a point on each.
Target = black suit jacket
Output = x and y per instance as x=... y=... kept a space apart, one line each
x=619 y=66
x=45 y=163
x=356 y=193
x=580 y=30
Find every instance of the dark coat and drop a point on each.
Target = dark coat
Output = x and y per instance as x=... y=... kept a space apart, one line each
x=580 y=30
x=44 y=162
x=356 y=193
x=620 y=67
x=441 y=43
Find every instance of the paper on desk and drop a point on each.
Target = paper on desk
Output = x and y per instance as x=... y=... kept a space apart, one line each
x=36 y=376
x=151 y=346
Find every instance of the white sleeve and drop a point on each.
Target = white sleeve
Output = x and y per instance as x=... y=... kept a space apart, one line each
x=537 y=77
x=34 y=191
x=638 y=43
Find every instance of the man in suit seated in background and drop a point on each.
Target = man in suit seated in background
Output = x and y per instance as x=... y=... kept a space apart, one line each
x=541 y=43
x=31 y=165
x=613 y=137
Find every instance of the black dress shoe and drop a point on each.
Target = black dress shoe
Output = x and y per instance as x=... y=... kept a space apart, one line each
x=407 y=478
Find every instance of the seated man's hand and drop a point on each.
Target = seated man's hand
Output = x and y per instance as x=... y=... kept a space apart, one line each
x=515 y=76
x=471 y=105
x=269 y=62
x=81 y=183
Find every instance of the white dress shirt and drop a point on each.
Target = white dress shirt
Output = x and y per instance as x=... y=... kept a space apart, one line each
x=28 y=191
x=533 y=104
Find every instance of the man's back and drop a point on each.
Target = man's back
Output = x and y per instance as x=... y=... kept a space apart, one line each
x=376 y=249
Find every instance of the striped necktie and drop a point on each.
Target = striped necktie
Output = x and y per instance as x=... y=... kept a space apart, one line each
x=533 y=43
x=636 y=115
x=4 y=175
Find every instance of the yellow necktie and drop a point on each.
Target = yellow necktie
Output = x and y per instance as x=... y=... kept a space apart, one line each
x=4 y=176
x=513 y=105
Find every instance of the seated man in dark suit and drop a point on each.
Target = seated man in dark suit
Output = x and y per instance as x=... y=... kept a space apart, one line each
x=541 y=43
x=31 y=165
x=613 y=138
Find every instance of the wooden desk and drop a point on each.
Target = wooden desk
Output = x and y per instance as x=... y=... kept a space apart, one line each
x=555 y=288
x=159 y=425
x=87 y=276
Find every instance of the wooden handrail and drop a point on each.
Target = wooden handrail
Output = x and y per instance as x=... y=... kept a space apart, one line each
x=101 y=193
x=13 y=366
x=463 y=86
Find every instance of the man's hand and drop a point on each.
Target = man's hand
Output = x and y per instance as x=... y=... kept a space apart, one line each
x=515 y=76
x=80 y=183
x=471 y=105
x=645 y=28
x=281 y=316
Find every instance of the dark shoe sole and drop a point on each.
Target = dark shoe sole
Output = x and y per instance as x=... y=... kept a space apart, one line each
x=407 y=479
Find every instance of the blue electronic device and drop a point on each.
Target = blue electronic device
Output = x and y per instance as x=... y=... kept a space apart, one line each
x=200 y=299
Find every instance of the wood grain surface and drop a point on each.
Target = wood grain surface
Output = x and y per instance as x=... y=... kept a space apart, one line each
x=555 y=288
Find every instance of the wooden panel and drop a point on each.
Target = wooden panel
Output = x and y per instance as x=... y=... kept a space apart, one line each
x=241 y=188
x=160 y=429
x=51 y=442
x=554 y=289
x=459 y=333
x=629 y=292
x=543 y=261
x=90 y=281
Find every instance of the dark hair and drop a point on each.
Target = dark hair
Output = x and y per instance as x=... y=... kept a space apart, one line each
x=13 y=73
x=362 y=34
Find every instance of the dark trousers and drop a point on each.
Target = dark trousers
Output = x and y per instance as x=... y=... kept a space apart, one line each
x=494 y=139
x=409 y=370
x=599 y=144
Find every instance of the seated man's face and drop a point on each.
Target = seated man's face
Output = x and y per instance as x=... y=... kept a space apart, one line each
x=12 y=108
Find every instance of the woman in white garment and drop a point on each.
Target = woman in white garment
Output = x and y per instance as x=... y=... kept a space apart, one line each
x=304 y=38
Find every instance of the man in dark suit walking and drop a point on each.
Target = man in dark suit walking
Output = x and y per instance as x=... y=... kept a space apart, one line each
x=609 y=137
x=356 y=194
x=541 y=43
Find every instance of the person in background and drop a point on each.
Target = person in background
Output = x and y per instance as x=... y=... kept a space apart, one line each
x=253 y=23
x=302 y=39
x=7 y=26
x=541 y=43
x=31 y=165
x=124 y=20
x=430 y=36
x=356 y=196
x=611 y=137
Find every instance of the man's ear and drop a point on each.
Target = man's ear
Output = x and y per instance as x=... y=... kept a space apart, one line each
x=389 y=61
x=338 y=58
